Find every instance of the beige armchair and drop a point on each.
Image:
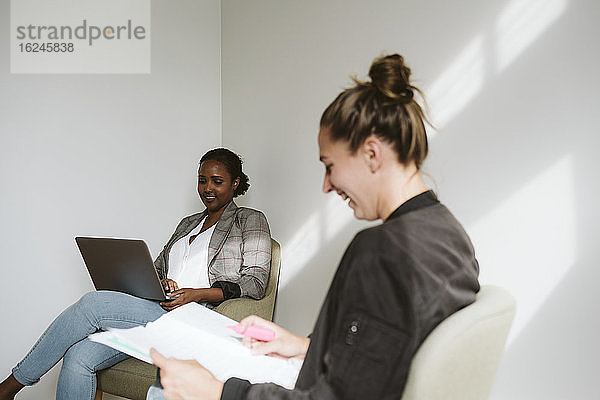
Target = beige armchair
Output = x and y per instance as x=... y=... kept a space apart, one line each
x=460 y=357
x=131 y=378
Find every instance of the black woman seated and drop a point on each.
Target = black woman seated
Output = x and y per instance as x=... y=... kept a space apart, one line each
x=221 y=253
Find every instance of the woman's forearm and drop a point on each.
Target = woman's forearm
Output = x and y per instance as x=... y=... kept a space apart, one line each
x=211 y=295
x=303 y=346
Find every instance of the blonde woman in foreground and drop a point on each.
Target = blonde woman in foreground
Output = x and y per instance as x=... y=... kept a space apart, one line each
x=395 y=282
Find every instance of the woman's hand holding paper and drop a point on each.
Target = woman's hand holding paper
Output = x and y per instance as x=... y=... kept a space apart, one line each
x=186 y=379
x=285 y=344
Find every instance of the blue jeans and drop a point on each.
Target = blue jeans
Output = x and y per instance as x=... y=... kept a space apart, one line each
x=66 y=338
x=155 y=392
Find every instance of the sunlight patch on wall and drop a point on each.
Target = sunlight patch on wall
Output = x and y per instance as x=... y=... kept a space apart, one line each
x=300 y=249
x=335 y=215
x=511 y=251
x=458 y=84
x=521 y=23
x=322 y=226
x=518 y=26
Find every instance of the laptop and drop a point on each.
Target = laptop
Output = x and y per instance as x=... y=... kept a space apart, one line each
x=122 y=265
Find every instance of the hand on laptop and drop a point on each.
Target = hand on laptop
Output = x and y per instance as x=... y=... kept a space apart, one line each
x=181 y=297
x=169 y=285
x=187 y=295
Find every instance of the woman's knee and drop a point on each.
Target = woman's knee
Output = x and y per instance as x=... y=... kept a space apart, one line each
x=107 y=309
x=90 y=298
x=93 y=300
x=77 y=359
x=92 y=306
x=89 y=357
x=87 y=302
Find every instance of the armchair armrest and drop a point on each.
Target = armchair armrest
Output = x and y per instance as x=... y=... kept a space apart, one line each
x=240 y=308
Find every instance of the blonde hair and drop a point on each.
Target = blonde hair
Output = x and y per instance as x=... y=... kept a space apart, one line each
x=385 y=107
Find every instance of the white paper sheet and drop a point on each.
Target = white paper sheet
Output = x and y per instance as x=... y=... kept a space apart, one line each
x=193 y=332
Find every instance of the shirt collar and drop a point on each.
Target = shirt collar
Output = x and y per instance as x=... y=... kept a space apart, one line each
x=422 y=200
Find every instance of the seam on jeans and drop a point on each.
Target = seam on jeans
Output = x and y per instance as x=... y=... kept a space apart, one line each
x=94 y=376
x=17 y=368
x=93 y=386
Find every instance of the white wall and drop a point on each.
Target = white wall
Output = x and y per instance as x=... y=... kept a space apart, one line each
x=512 y=86
x=102 y=155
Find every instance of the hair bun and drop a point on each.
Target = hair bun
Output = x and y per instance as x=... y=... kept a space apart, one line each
x=391 y=77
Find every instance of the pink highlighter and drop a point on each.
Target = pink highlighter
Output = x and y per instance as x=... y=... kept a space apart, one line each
x=254 y=332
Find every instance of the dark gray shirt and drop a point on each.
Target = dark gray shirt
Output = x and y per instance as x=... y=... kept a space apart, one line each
x=395 y=283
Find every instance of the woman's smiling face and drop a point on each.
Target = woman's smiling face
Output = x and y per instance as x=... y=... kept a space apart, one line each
x=348 y=175
x=215 y=185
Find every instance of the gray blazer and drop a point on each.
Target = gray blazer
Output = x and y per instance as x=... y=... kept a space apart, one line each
x=239 y=250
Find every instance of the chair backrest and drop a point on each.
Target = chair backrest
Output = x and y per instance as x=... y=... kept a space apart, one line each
x=459 y=359
x=273 y=284
x=242 y=307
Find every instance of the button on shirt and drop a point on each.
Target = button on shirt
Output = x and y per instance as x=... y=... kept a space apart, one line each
x=188 y=263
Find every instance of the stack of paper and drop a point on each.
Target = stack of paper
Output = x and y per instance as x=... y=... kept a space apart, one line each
x=193 y=332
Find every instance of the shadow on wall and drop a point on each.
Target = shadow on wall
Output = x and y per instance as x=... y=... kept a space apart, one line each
x=524 y=195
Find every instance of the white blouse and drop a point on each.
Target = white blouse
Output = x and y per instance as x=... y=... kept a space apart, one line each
x=188 y=263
